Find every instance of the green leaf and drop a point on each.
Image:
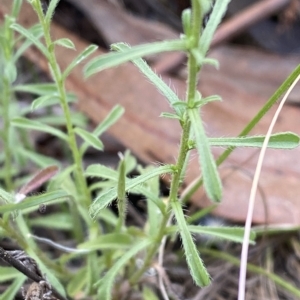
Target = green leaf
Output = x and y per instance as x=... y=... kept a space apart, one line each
x=186 y=21
x=82 y=56
x=8 y=273
x=37 y=32
x=282 y=140
x=104 y=198
x=64 y=42
x=89 y=138
x=58 y=221
x=111 y=241
x=215 y=18
x=35 y=201
x=10 y=71
x=11 y=292
x=5 y=197
x=211 y=179
x=211 y=61
x=170 y=116
x=148 y=294
x=154 y=217
x=16 y=8
x=77 y=282
x=211 y=98
x=101 y=171
x=38 y=88
x=39 y=159
x=26 y=33
x=44 y=101
x=78 y=119
x=121 y=180
x=116 y=58
x=235 y=234
x=106 y=283
x=49 y=100
x=121 y=191
x=112 y=117
x=198 y=56
x=195 y=264
x=154 y=78
x=50 y=11
x=34 y=125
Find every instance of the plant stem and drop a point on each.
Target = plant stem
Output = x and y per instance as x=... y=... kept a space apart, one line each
x=6 y=98
x=193 y=70
x=175 y=182
x=84 y=197
x=7 y=53
x=84 y=194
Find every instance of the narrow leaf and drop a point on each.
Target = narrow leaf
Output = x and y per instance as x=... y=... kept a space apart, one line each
x=89 y=138
x=109 y=278
x=64 y=42
x=35 y=201
x=5 y=197
x=101 y=171
x=77 y=282
x=186 y=18
x=148 y=294
x=215 y=18
x=111 y=241
x=37 y=32
x=31 y=37
x=112 y=117
x=34 y=125
x=58 y=221
x=38 y=89
x=11 y=292
x=8 y=273
x=44 y=101
x=122 y=201
x=169 y=94
x=211 y=179
x=82 y=56
x=235 y=234
x=283 y=140
x=116 y=58
x=16 y=8
x=50 y=11
x=195 y=264
x=170 y=116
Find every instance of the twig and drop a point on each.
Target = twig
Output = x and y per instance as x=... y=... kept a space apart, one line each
x=27 y=272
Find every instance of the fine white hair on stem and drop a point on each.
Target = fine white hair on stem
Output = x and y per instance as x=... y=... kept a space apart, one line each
x=245 y=247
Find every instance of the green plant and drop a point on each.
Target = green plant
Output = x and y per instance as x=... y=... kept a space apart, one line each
x=100 y=274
